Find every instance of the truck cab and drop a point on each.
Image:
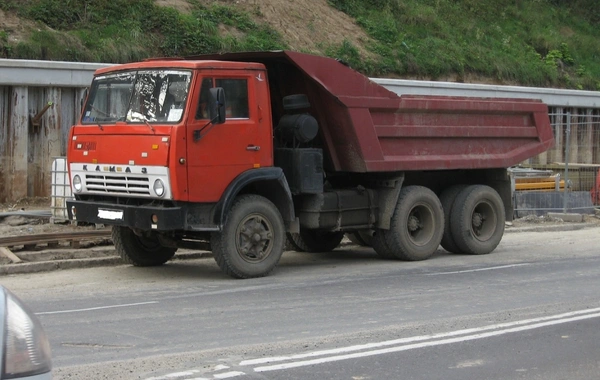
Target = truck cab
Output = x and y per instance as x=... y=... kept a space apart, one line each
x=160 y=158
x=147 y=126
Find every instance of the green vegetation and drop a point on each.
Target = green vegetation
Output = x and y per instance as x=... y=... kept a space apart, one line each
x=529 y=42
x=124 y=30
x=554 y=43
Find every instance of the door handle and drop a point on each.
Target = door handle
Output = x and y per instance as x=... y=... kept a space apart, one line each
x=253 y=147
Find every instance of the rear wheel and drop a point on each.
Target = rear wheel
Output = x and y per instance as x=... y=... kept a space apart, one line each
x=380 y=244
x=477 y=220
x=363 y=237
x=141 y=251
x=417 y=226
x=315 y=241
x=252 y=239
x=447 y=199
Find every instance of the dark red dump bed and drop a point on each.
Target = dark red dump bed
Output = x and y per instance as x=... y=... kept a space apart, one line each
x=366 y=127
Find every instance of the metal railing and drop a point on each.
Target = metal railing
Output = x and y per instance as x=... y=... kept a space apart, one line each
x=566 y=178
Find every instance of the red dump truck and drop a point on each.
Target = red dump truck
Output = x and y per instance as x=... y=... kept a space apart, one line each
x=240 y=153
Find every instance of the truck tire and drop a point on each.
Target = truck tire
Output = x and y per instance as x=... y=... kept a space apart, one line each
x=447 y=199
x=140 y=251
x=290 y=245
x=380 y=244
x=363 y=237
x=315 y=241
x=477 y=220
x=252 y=240
x=417 y=225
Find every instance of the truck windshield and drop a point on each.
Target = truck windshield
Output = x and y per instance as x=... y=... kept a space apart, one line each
x=144 y=96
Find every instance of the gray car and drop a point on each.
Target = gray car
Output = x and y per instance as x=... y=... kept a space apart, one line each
x=24 y=347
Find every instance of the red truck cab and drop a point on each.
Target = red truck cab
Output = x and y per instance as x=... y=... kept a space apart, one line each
x=145 y=117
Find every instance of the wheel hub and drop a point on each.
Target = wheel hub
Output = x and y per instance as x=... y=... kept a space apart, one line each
x=477 y=220
x=254 y=238
x=413 y=223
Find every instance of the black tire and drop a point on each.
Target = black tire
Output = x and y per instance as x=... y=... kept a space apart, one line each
x=447 y=199
x=291 y=244
x=315 y=241
x=363 y=237
x=141 y=251
x=380 y=245
x=252 y=240
x=477 y=220
x=417 y=226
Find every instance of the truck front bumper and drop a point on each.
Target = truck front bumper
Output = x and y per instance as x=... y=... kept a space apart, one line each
x=167 y=218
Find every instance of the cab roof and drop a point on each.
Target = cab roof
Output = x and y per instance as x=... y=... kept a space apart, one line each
x=161 y=63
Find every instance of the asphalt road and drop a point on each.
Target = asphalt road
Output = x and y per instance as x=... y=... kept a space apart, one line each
x=530 y=310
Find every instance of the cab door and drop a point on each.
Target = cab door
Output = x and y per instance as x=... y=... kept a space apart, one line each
x=223 y=151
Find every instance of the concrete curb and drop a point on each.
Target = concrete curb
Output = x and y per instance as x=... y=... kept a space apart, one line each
x=89 y=262
x=553 y=227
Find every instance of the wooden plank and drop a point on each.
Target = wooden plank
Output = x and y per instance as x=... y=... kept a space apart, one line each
x=540 y=186
x=36 y=141
x=4 y=113
x=18 y=142
x=52 y=123
x=8 y=253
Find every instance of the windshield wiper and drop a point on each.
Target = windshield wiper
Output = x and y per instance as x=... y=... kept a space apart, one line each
x=149 y=125
x=139 y=116
x=99 y=110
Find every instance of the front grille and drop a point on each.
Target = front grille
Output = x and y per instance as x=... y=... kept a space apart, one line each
x=117 y=184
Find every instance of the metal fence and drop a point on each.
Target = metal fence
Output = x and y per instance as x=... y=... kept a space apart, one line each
x=566 y=178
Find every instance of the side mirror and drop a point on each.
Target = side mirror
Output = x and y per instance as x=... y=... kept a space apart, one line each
x=217 y=105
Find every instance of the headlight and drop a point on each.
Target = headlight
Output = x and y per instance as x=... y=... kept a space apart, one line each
x=159 y=188
x=26 y=347
x=77 y=183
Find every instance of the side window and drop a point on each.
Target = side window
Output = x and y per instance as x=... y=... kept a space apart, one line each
x=202 y=111
x=236 y=93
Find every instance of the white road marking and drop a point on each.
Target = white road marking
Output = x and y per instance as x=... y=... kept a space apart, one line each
x=478 y=270
x=229 y=375
x=550 y=321
x=403 y=344
x=186 y=374
x=469 y=364
x=175 y=375
x=95 y=308
x=360 y=347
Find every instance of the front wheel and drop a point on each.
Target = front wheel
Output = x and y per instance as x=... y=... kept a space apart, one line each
x=252 y=240
x=141 y=251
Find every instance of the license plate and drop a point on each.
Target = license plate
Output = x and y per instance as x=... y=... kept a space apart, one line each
x=110 y=214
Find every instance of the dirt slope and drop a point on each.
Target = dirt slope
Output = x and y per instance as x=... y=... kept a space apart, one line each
x=308 y=26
